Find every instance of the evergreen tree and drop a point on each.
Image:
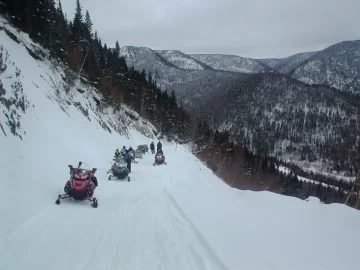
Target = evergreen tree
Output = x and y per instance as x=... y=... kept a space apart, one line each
x=89 y=25
x=77 y=23
x=117 y=49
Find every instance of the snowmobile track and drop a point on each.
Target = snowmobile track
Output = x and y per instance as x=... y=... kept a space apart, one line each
x=198 y=256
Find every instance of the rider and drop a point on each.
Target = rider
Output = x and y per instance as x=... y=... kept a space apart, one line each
x=128 y=160
x=152 y=147
x=159 y=146
x=123 y=151
x=117 y=153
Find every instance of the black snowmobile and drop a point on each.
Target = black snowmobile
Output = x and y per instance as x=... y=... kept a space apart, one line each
x=119 y=170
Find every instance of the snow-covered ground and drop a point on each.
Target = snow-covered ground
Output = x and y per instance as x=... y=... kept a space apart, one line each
x=171 y=217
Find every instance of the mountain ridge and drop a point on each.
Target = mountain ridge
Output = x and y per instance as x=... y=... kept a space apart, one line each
x=222 y=96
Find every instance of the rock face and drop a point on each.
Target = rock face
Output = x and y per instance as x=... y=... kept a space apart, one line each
x=13 y=101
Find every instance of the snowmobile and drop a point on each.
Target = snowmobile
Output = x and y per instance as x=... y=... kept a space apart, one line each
x=138 y=153
x=143 y=148
x=159 y=159
x=119 y=170
x=81 y=185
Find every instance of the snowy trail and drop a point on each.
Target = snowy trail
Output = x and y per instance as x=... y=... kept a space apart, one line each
x=137 y=225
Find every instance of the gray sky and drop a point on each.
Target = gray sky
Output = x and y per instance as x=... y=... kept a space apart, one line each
x=249 y=28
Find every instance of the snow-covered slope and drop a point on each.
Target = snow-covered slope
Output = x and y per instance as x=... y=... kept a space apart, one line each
x=288 y=64
x=182 y=60
x=337 y=66
x=176 y=216
x=231 y=63
x=163 y=71
x=171 y=77
x=144 y=58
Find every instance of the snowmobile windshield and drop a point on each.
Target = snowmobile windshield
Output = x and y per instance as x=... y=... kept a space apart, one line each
x=85 y=167
x=81 y=170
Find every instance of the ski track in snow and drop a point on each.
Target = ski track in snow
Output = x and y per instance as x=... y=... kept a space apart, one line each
x=137 y=224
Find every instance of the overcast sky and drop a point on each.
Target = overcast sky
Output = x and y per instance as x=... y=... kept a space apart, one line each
x=249 y=28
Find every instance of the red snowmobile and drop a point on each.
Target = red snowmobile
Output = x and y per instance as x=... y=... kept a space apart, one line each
x=159 y=158
x=80 y=186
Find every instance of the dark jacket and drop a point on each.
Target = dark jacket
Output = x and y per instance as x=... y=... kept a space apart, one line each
x=127 y=158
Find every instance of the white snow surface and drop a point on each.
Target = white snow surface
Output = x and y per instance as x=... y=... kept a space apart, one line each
x=178 y=216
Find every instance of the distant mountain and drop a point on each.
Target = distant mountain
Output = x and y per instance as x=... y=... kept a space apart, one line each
x=174 y=67
x=182 y=60
x=169 y=76
x=268 y=112
x=162 y=70
x=288 y=64
x=337 y=66
x=231 y=63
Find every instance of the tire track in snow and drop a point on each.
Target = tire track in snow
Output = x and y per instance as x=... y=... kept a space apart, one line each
x=125 y=256
x=199 y=257
x=125 y=246
x=29 y=222
x=118 y=240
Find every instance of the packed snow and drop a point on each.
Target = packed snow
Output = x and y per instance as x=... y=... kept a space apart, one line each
x=176 y=216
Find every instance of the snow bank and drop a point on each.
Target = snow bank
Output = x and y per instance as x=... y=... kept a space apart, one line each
x=249 y=230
